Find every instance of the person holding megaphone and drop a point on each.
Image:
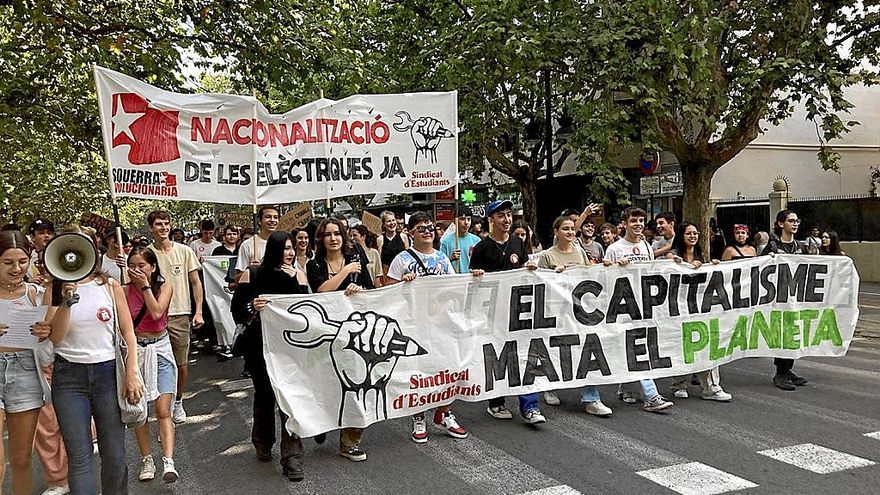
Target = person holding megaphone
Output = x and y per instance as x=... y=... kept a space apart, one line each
x=84 y=375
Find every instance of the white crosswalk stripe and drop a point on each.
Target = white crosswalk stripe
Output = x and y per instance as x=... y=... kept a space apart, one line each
x=695 y=478
x=875 y=434
x=816 y=458
x=483 y=466
x=554 y=490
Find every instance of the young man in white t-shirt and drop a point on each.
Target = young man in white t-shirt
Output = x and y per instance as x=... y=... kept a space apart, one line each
x=179 y=267
x=632 y=248
x=418 y=261
x=205 y=244
x=267 y=220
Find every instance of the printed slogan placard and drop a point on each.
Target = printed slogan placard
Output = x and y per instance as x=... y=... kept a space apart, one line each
x=230 y=149
x=338 y=361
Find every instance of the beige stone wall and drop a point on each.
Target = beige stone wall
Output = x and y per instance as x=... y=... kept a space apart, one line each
x=866 y=256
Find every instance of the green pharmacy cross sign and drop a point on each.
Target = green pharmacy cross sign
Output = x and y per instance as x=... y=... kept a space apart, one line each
x=468 y=196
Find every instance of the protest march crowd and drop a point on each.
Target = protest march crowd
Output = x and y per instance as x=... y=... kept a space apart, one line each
x=150 y=293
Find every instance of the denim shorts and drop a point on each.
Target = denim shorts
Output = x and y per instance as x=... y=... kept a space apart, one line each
x=20 y=388
x=165 y=382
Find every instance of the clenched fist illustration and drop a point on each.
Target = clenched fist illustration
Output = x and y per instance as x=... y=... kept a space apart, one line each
x=426 y=133
x=364 y=350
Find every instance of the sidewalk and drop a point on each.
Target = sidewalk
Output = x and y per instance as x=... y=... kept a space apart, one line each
x=869 y=310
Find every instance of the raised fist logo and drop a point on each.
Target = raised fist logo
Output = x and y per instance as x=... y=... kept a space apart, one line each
x=364 y=349
x=425 y=132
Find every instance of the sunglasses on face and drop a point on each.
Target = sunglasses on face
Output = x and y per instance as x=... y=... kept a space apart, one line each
x=424 y=229
x=826 y=237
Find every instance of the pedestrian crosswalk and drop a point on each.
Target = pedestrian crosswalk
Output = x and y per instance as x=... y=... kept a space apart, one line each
x=816 y=458
x=696 y=478
x=764 y=441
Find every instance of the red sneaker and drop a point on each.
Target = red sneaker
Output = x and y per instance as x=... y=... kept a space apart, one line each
x=447 y=420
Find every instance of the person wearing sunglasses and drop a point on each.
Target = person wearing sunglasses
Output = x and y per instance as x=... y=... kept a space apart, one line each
x=686 y=249
x=421 y=260
x=783 y=242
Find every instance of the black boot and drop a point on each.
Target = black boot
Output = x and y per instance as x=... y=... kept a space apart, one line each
x=783 y=382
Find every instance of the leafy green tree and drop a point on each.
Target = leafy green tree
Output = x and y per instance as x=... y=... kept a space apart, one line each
x=497 y=55
x=698 y=78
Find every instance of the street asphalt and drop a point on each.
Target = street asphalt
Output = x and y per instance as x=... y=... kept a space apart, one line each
x=822 y=438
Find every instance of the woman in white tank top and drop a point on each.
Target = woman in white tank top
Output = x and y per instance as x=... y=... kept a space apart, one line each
x=22 y=390
x=84 y=380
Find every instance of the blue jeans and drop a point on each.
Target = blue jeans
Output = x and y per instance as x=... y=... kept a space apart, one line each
x=649 y=389
x=591 y=394
x=81 y=392
x=527 y=403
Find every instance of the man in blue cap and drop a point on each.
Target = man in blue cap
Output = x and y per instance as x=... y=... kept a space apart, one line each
x=500 y=251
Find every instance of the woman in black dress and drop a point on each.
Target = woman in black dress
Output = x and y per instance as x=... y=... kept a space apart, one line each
x=275 y=275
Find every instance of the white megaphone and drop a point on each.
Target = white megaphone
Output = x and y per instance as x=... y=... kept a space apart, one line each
x=70 y=257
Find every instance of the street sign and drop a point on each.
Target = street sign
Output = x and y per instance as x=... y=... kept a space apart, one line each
x=671 y=183
x=649 y=160
x=649 y=185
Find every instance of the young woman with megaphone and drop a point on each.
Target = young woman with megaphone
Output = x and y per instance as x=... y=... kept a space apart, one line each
x=25 y=389
x=84 y=375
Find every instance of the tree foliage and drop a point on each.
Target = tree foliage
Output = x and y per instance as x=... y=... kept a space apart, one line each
x=700 y=77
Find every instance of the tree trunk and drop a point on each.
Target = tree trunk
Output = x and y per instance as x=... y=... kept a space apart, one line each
x=528 y=186
x=697 y=182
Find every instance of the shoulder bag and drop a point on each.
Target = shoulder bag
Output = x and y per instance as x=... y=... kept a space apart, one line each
x=132 y=414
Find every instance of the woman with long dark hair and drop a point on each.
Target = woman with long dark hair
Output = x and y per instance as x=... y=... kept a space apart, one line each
x=84 y=379
x=148 y=300
x=367 y=240
x=340 y=265
x=303 y=247
x=274 y=275
x=24 y=389
x=831 y=244
x=686 y=249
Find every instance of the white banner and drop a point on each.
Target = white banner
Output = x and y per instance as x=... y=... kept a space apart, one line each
x=230 y=149
x=341 y=361
x=218 y=297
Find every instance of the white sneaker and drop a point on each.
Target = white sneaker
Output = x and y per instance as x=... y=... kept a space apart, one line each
x=551 y=399
x=178 y=415
x=680 y=394
x=720 y=396
x=656 y=404
x=420 y=430
x=148 y=469
x=500 y=412
x=169 y=474
x=534 y=417
x=57 y=490
x=597 y=408
x=449 y=422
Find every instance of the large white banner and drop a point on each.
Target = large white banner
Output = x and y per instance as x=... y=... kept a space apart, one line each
x=341 y=361
x=218 y=297
x=230 y=149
